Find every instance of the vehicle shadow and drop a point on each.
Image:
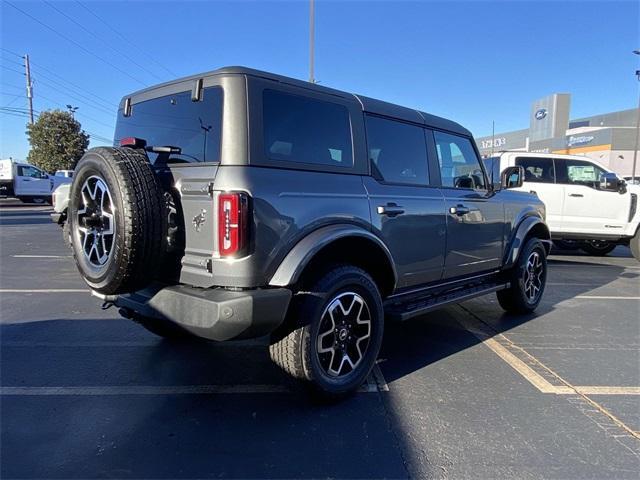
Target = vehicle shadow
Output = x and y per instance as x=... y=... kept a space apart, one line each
x=259 y=431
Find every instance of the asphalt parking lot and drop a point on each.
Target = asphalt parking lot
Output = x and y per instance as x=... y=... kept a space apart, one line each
x=465 y=392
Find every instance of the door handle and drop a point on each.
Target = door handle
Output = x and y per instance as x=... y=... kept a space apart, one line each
x=576 y=195
x=26 y=179
x=459 y=210
x=390 y=210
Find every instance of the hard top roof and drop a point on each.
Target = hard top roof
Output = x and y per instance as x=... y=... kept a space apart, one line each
x=370 y=105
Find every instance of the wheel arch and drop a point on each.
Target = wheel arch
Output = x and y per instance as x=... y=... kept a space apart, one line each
x=530 y=226
x=338 y=244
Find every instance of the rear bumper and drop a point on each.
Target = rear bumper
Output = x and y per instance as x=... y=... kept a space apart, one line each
x=215 y=314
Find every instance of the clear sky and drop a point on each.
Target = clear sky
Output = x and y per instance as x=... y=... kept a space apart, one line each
x=473 y=62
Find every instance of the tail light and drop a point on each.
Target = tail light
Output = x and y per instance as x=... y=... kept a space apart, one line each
x=232 y=223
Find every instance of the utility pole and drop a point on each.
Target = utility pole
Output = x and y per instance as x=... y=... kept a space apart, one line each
x=311 y=39
x=29 y=87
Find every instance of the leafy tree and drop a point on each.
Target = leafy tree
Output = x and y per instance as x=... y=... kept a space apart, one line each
x=57 y=141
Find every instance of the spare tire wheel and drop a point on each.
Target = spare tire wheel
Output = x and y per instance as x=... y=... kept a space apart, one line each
x=117 y=219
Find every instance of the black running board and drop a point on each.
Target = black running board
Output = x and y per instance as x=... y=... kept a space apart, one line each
x=420 y=306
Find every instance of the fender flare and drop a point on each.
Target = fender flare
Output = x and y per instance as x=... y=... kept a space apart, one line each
x=517 y=240
x=294 y=263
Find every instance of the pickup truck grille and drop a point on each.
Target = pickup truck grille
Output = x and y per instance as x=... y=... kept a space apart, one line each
x=633 y=207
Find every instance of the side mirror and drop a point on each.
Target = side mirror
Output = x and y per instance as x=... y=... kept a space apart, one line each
x=611 y=183
x=512 y=177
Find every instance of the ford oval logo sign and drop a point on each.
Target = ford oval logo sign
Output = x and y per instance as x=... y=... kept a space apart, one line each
x=540 y=114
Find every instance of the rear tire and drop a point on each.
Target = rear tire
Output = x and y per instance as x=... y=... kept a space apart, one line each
x=337 y=332
x=117 y=220
x=597 y=248
x=528 y=279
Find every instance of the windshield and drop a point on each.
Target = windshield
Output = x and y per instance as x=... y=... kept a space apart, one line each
x=177 y=121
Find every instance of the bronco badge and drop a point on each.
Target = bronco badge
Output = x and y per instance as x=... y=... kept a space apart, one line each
x=199 y=220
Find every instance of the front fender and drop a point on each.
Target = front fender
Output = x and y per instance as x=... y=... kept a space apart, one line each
x=297 y=259
x=527 y=225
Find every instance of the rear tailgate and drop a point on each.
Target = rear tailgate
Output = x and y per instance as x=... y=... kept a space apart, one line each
x=193 y=220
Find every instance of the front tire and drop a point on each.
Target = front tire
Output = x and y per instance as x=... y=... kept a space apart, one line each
x=528 y=279
x=337 y=332
x=597 y=248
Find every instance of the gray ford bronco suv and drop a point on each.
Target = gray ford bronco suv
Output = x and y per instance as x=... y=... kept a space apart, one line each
x=239 y=204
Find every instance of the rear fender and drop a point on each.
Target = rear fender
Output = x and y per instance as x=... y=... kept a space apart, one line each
x=291 y=268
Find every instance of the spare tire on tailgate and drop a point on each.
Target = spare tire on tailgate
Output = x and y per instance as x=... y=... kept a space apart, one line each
x=117 y=219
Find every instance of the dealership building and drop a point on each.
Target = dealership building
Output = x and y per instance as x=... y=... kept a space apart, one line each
x=608 y=138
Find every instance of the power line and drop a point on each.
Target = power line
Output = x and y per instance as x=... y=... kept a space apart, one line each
x=79 y=97
x=81 y=114
x=25 y=114
x=12 y=61
x=12 y=69
x=51 y=72
x=75 y=43
x=12 y=53
x=103 y=41
x=117 y=32
x=5 y=85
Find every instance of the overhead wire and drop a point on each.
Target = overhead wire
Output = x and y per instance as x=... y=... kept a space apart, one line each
x=70 y=40
x=118 y=33
x=85 y=29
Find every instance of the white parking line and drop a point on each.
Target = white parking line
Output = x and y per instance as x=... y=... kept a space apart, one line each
x=371 y=386
x=143 y=390
x=42 y=256
x=44 y=290
x=599 y=297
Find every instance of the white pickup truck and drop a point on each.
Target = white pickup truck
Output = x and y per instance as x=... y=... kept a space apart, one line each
x=28 y=183
x=588 y=206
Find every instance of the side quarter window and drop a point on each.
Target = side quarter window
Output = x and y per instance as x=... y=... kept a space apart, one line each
x=306 y=130
x=397 y=151
x=459 y=165
x=537 y=170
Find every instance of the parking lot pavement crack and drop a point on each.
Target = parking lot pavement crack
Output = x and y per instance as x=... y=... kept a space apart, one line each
x=490 y=332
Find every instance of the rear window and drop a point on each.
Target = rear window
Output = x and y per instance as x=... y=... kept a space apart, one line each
x=177 y=121
x=306 y=130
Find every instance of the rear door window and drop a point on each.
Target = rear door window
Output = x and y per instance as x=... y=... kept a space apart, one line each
x=578 y=172
x=306 y=130
x=397 y=151
x=537 y=170
x=175 y=120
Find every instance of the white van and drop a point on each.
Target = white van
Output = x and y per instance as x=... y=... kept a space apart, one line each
x=26 y=182
x=587 y=204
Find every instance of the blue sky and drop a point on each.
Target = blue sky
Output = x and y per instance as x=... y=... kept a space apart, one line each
x=473 y=62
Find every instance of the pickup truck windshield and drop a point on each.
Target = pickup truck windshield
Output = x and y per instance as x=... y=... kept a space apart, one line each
x=176 y=120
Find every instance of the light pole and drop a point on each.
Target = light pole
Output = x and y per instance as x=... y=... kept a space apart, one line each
x=72 y=110
x=312 y=31
x=635 y=148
